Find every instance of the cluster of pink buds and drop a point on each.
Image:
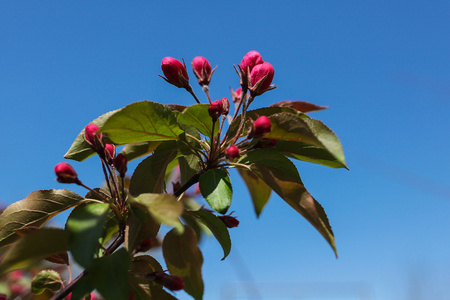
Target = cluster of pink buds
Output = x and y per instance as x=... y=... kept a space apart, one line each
x=256 y=73
x=218 y=108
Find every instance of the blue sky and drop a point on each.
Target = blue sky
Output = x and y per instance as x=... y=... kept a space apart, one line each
x=383 y=68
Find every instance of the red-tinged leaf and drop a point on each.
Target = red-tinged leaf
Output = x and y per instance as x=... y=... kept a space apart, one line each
x=259 y=191
x=176 y=107
x=301 y=106
x=33 y=211
x=184 y=259
x=32 y=248
x=280 y=174
x=150 y=173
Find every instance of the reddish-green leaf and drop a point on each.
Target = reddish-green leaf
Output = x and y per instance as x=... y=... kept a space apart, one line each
x=141 y=122
x=301 y=106
x=215 y=186
x=259 y=191
x=217 y=227
x=33 y=211
x=184 y=259
x=33 y=247
x=80 y=150
x=280 y=174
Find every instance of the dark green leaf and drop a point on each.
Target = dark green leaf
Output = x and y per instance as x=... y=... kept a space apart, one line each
x=80 y=150
x=159 y=294
x=280 y=174
x=150 y=173
x=184 y=259
x=33 y=211
x=217 y=227
x=33 y=247
x=46 y=279
x=141 y=122
x=136 y=150
x=198 y=116
x=215 y=186
x=85 y=227
x=109 y=275
x=140 y=225
x=259 y=191
x=163 y=207
x=82 y=288
x=189 y=166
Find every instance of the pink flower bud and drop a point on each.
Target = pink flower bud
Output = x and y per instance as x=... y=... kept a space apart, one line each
x=229 y=221
x=260 y=127
x=232 y=152
x=225 y=106
x=261 y=78
x=215 y=109
x=120 y=163
x=175 y=72
x=202 y=70
x=3 y=297
x=250 y=60
x=110 y=153
x=91 y=136
x=173 y=283
x=65 y=173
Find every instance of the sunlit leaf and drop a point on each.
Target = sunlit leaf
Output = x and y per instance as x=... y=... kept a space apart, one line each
x=217 y=227
x=109 y=275
x=136 y=150
x=150 y=173
x=259 y=191
x=301 y=106
x=85 y=227
x=163 y=207
x=46 y=279
x=184 y=259
x=80 y=150
x=34 y=247
x=141 y=122
x=280 y=174
x=215 y=186
x=198 y=116
x=33 y=211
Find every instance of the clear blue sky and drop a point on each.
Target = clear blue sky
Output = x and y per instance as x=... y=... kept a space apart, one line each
x=383 y=68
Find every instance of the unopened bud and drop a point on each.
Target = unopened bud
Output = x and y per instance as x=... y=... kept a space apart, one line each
x=65 y=173
x=173 y=283
x=225 y=106
x=229 y=221
x=202 y=70
x=250 y=60
x=261 y=78
x=215 y=109
x=175 y=72
x=120 y=163
x=110 y=153
x=236 y=95
x=232 y=152
x=93 y=138
x=260 y=127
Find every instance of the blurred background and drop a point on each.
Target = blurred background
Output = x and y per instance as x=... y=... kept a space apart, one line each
x=383 y=68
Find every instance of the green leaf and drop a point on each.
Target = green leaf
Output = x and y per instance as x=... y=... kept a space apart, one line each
x=143 y=265
x=280 y=174
x=141 y=122
x=85 y=227
x=184 y=259
x=80 y=150
x=150 y=173
x=259 y=191
x=82 y=288
x=198 y=116
x=163 y=207
x=136 y=150
x=290 y=127
x=109 y=275
x=33 y=211
x=34 y=247
x=217 y=227
x=46 y=279
x=189 y=166
x=215 y=186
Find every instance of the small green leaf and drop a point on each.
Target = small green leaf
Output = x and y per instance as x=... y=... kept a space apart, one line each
x=215 y=186
x=217 y=227
x=141 y=122
x=85 y=227
x=46 y=279
x=259 y=191
x=80 y=150
x=33 y=247
x=33 y=211
x=198 y=116
x=184 y=259
x=163 y=207
x=109 y=275
x=280 y=174
x=150 y=173
x=136 y=150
